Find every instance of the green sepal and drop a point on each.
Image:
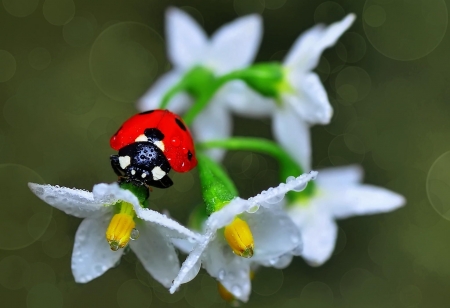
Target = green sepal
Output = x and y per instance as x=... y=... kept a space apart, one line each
x=141 y=192
x=217 y=188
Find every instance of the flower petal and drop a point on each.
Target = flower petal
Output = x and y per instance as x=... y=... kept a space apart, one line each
x=293 y=135
x=319 y=233
x=244 y=101
x=92 y=255
x=153 y=97
x=76 y=202
x=156 y=253
x=274 y=234
x=365 y=200
x=231 y=271
x=213 y=123
x=186 y=40
x=332 y=177
x=235 y=44
x=311 y=100
x=111 y=193
x=191 y=262
x=307 y=49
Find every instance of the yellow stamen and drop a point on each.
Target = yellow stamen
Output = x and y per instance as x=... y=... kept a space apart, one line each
x=240 y=238
x=120 y=227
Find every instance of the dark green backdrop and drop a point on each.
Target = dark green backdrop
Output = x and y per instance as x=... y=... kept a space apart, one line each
x=70 y=71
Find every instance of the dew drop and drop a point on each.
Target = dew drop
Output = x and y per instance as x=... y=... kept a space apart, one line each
x=222 y=274
x=253 y=209
x=114 y=245
x=273 y=261
x=134 y=235
x=275 y=199
x=236 y=290
x=290 y=179
x=299 y=187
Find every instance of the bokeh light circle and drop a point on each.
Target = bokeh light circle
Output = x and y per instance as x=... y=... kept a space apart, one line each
x=125 y=58
x=351 y=47
x=7 y=66
x=39 y=58
x=267 y=281
x=20 y=8
x=13 y=272
x=39 y=273
x=405 y=30
x=78 y=32
x=328 y=12
x=244 y=7
x=45 y=295
x=352 y=84
x=438 y=185
x=58 y=12
x=274 y=4
x=316 y=294
x=132 y=293
x=20 y=207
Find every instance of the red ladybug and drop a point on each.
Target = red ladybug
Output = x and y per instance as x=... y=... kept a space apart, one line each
x=164 y=129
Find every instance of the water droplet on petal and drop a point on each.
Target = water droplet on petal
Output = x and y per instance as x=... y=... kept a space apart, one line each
x=299 y=187
x=290 y=179
x=236 y=290
x=221 y=274
x=134 y=235
x=253 y=209
x=275 y=199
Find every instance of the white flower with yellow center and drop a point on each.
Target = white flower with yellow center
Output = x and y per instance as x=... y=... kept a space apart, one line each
x=338 y=194
x=231 y=47
x=113 y=216
x=244 y=233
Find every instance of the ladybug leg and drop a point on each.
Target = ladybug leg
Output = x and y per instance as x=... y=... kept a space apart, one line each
x=154 y=135
x=115 y=164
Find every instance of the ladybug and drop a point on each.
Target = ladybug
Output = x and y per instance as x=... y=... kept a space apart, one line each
x=164 y=129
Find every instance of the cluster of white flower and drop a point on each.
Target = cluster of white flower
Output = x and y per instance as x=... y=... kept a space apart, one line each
x=294 y=97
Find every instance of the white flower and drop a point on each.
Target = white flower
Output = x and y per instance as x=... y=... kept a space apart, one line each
x=276 y=239
x=92 y=255
x=339 y=194
x=303 y=100
x=231 y=47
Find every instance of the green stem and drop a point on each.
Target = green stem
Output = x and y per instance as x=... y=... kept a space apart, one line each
x=288 y=167
x=171 y=93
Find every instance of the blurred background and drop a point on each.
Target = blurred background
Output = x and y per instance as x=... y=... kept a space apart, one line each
x=71 y=70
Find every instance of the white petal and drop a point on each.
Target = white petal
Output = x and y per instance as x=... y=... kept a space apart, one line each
x=76 y=202
x=306 y=51
x=231 y=271
x=365 y=200
x=193 y=272
x=293 y=135
x=111 y=193
x=183 y=245
x=186 y=40
x=92 y=255
x=192 y=260
x=235 y=44
x=311 y=100
x=244 y=101
x=214 y=122
x=153 y=97
x=336 y=176
x=319 y=233
x=156 y=253
x=274 y=233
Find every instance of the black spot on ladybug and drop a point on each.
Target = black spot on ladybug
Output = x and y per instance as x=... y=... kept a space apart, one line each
x=180 y=124
x=189 y=155
x=154 y=134
x=147 y=112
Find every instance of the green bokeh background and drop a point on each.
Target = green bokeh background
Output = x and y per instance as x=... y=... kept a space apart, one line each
x=70 y=71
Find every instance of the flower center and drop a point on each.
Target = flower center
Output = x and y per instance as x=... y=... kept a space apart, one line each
x=121 y=228
x=240 y=238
